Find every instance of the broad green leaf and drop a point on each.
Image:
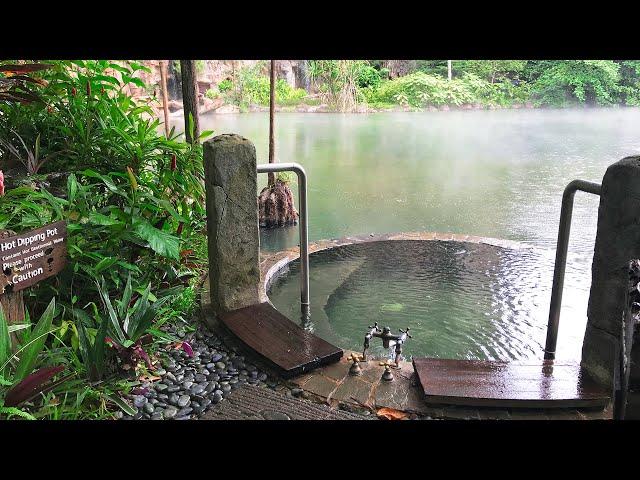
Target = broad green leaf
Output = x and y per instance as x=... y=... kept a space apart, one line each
x=72 y=187
x=100 y=219
x=126 y=298
x=115 y=322
x=30 y=354
x=105 y=263
x=161 y=242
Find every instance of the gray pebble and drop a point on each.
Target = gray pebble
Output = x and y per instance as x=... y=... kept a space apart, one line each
x=170 y=412
x=139 y=401
x=196 y=389
x=184 y=412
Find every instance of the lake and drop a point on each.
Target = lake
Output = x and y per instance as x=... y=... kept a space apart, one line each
x=494 y=173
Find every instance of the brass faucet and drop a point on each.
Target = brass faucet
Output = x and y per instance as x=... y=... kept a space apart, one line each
x=388 y=340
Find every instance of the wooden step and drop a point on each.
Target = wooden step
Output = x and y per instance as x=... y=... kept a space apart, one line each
x=284 y=344
x=544 y=384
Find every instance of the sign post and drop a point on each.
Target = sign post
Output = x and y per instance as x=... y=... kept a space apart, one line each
x=27 y=259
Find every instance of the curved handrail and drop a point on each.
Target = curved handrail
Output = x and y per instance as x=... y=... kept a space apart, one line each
x=304 y=227
x=562 y=247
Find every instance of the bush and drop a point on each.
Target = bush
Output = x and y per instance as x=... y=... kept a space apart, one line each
x=421 y=90
x=591 y=82
x=212 y=93
x=251 y=86
x=225 y=85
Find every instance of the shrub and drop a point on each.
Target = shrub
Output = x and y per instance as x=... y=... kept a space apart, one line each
x=212 y=93
x=578 y=82
x=225 y=85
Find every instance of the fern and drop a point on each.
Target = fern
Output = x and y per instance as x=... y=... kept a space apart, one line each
x=12 y=411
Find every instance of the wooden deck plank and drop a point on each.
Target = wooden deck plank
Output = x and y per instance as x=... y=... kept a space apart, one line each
x=284 y=344
x=508 y=384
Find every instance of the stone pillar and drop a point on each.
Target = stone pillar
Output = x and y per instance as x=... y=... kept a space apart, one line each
x=232 y=222
x=617 y=242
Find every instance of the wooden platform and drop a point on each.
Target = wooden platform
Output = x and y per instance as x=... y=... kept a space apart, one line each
x=508 y=384
x=284 y=344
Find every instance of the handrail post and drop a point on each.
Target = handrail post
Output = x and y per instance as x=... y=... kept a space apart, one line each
x=562 y=247
x=303 y=226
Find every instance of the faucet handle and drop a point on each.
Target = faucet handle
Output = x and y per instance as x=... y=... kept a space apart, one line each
x=354 y=357
x=375 y=325
x=405 y=331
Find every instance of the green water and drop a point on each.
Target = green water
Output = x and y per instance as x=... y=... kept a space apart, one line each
x=460 y=300
x=489 y=173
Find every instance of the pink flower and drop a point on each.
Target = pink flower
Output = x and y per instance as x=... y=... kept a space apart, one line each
x=1 y=183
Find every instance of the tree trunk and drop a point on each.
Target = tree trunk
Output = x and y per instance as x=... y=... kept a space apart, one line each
x=190 y=98
x=272 y=109
x=165 y=95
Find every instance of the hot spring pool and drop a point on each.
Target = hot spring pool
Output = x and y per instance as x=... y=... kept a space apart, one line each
x=461 y=300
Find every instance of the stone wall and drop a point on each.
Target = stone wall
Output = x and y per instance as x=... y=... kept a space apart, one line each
x=617 y=242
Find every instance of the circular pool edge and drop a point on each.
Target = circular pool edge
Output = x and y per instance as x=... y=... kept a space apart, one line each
x=275 y=264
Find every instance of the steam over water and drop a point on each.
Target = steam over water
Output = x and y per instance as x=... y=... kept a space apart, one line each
x=489 y=173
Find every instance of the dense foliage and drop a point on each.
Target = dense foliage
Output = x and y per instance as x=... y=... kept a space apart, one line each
x=251 y=86
x=130 y=196
x=345 y=84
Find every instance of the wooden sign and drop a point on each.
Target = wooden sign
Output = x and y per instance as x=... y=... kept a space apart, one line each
x=32 y=256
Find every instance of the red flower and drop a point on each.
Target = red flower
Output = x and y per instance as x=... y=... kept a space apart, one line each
x=74 y=92
x=174 y=163
x=88 y=89
x=187 y=348
x=180 y=227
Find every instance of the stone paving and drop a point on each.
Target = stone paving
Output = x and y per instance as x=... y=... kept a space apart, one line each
x=336 y=387
x=255 y=403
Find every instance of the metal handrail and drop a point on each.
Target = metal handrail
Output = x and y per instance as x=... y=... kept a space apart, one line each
x=561 y=260
x=304 y=227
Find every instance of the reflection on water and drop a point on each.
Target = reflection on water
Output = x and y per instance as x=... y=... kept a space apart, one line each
x=490 y=173
x=460 y=300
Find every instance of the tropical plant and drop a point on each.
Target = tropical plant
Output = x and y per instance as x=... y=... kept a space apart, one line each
x=128 y=324
x=18 y=382
x=31 y=159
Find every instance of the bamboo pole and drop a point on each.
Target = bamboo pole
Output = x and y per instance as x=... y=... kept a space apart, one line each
x=165 y=95
x=272 y=109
